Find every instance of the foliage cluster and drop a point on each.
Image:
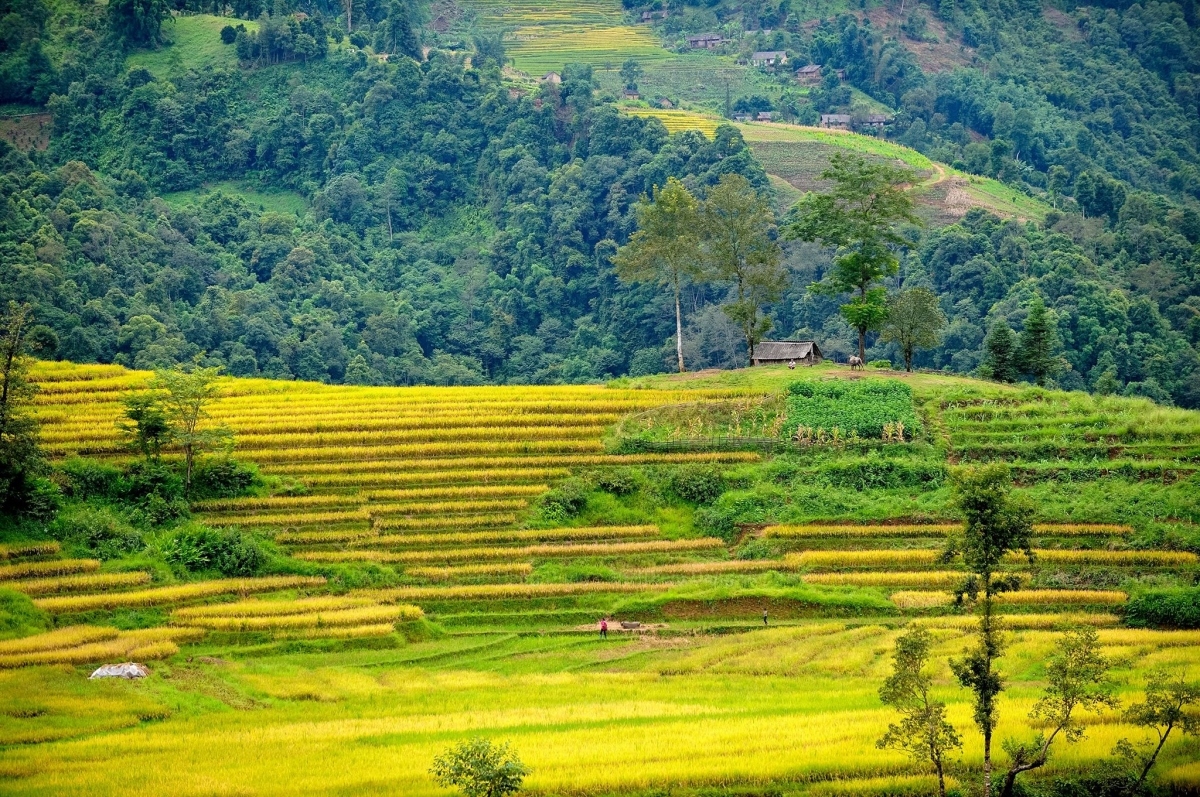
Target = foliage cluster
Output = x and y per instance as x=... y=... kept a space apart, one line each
x=860 y=408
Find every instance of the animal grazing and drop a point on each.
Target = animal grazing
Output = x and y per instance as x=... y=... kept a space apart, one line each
x=856 y=363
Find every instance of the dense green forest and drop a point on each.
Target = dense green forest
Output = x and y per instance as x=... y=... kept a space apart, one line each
x=448 y=227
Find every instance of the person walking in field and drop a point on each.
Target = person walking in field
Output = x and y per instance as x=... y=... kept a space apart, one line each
x=604 y=628
x=764 y=617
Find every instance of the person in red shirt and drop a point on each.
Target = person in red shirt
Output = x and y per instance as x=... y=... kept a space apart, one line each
x=604 y=628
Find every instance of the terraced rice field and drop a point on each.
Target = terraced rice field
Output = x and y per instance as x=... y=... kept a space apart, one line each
x=677 y=121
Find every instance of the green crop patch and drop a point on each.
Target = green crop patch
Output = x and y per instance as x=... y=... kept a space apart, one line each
x=871 y=409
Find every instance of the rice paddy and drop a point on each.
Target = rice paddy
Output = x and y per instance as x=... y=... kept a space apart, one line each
x=449 y=604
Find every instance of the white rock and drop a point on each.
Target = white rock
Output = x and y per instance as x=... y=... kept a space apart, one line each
x=126 y=670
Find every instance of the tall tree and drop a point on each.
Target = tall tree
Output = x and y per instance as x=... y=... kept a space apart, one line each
x=996 y=525
x=20 y=455
x=144 y=424
x=740 y=247
x=914 y=320
x=187 y=394
x=1037 y=347
x=1000 y=354
x=1077 y=678
x=1169 y=703
x=858 y=217
x=398 y=34
x=666 y=247
x=138 y=22
x=631 y=72
x=923 y=733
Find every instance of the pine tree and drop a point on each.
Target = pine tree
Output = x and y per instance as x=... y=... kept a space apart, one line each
x=999 y=362
x=1036 y=349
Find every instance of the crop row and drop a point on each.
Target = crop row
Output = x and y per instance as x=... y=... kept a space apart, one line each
x=713 y=568
x=103 y=645
x=270 y=608
x=83 y=430
x=470 y=571
x=79 y=583
x=930 y=579
x=521 y=552
x=501 y=591
x=166 y=596
x=368 y=537
x=349 y=477
x=1021 y=621
x=452 y=522
x=1023 y=597
x=51 y=567
x=22 y=550
x=887 y=557
x=308 y=470
x=366 y=615
x=412 y=495
x=933 y=530
x=423 y=450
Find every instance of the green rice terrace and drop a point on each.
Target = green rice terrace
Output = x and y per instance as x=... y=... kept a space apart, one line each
x=439 y=559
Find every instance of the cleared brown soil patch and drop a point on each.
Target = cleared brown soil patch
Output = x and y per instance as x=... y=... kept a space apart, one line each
x=28 y=132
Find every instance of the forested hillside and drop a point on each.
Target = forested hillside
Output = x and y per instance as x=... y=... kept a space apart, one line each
x=373 y=200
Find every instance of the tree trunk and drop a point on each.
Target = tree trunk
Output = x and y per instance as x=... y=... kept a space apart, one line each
x=987 y=731
x=1150 y=761
x=678 y=329
x=908 y=355
x=941 y=775
x=862 y=345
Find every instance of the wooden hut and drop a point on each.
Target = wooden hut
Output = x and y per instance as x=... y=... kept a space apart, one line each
x=781 y=352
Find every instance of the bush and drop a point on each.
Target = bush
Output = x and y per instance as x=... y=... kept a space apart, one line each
x=877 y=472
x=618 y=481
x=565 y=501
x=228 y=34
x=89 y=478
x=700 y=484
x=884 y=364
x=18 y=615
x=861 y=407
x=101 y=530
x=755 y=549
x=43 y=500
x=144 y=478
x=224 y=478
x=199 y=548
x=717 y=521
x=1166 y=608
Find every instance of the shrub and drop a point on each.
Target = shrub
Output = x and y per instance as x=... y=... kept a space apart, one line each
x=479 y=768
x=43 y=500
x=861 y=407
x=1167 y=608
x=145 y=478
x=102 y=530
x=89 y=478
x=756 y=549
x=224 y=478
x=18 y=615
x=228 y=34
x=877 y=472
x=885 y=364
x=564 y=501
x=717 y=521
x=199 y=548
x=701 y=484
x=618 y=481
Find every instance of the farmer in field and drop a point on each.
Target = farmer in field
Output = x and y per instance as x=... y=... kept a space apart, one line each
x=764 y=617
x=604 y=628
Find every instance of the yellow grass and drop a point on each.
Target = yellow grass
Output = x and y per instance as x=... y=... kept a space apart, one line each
x=165 y=596
x=22 y=549
x=871 y=558
x=365 y=615
x=508 y=535
x=79 y=583
x=522 y=552
x=152 y=643
x=1022 y=621
x=268 y=608
x=68 y=637
x=470 y=571
x=53 y=567
x=1061 y=596
x=713 y=568
x=1136 y=637
x=449 y=507
x=1152 y=558
x=341 y=632
x=489 y=591
x=933 y=530
x=292 y=519
x=324 y=537
x=923 y=599
x=930 y=579
x=453 y=522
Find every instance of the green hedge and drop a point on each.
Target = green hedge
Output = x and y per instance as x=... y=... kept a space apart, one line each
x=1165 y=608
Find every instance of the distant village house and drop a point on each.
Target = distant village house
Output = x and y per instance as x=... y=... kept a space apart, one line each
x=552 y=77
x=650 y=16
x=768 y=58
x=705 y=41
x=783 y=352
x=809 y=75
x=836 y=121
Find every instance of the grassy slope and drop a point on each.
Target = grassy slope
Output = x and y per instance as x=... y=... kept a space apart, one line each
x=270 y=200
x=682 y=707
x=194 y=43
